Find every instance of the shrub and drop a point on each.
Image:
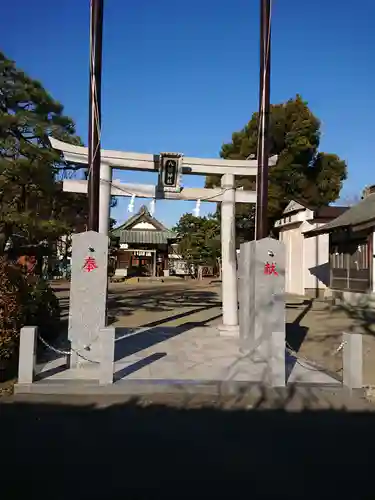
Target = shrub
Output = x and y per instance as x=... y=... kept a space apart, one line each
x=42 y=309
x=13 y=295
x=24 y=301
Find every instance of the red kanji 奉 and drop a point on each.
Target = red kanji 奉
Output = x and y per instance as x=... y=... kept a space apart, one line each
x=90 y=264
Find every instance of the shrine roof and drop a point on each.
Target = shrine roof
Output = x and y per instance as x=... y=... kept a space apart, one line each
x=142 y=216
x=146 y=237
x=356 y=218
x=322 y=212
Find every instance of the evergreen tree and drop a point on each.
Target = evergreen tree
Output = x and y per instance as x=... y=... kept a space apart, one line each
x=33 y=205
x=199 y=239
x=302 y=171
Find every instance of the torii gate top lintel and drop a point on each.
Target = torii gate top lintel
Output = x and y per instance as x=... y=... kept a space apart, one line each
x=149 y=162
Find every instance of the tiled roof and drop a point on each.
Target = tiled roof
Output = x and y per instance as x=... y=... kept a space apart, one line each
x=142 y=216
x=324 y=212
x=362 y=213
x=150 y=237
x=329 y=212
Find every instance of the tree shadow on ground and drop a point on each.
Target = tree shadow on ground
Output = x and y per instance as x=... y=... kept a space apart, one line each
x=325 y=344
x=361 y=313
x=360 y=317
x=295 y=333
x=112 y=319
x=150 y=300
x=159 y=300
x=128 y=343
x=142 y=452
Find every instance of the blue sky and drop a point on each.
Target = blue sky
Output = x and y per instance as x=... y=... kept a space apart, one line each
x=182 y=76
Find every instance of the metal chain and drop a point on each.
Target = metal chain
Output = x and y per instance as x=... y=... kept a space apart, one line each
x=66 y=353
x=312 y=365
x=299 y=359
x=335 y=352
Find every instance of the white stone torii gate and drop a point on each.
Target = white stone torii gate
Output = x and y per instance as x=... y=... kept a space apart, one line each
x=228 y=195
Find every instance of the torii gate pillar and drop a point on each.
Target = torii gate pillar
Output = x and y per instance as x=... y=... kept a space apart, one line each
x=105 y=197
x=230 y=324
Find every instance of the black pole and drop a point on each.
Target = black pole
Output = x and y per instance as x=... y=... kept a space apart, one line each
x=96 y=41
x=263 y=120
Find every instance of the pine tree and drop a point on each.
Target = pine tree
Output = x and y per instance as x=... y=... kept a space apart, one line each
x=302 y=171
x=33 y=205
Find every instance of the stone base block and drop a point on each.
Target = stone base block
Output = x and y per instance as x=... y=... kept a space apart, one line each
x=229 y=331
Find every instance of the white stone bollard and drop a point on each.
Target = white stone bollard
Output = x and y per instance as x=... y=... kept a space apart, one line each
x=276 y=376
x=106 y=367
x=27 y=354
x=352 y=360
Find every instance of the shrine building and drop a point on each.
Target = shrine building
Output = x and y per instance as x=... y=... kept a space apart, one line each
x=145 y=246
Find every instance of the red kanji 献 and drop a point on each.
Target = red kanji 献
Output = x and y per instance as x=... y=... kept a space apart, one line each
x=270 y=269
x=90 y=264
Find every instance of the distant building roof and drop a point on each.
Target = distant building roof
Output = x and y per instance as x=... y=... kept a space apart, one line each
x=324 y=212
x=146 y=237
x=329 y=212
x=358 y=217
x=157 y=235
x=142 y=216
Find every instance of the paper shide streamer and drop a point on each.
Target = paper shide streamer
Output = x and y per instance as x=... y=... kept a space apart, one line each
x=131 y=204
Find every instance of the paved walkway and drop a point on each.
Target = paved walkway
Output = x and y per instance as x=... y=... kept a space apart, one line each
x=314 y=329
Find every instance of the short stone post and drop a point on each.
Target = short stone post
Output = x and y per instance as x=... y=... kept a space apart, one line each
x=106 y=368
x=352 y=360
x=262 y=305
x=276 y=374
x=27 y=354
x=88 y=295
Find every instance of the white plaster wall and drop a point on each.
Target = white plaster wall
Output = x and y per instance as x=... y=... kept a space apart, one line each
x=297 y=261
x=294 y=275
x=284 y=237
x=316 y=251
x=306 y=258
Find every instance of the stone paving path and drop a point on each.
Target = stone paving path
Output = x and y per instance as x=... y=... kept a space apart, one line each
x=314 y=329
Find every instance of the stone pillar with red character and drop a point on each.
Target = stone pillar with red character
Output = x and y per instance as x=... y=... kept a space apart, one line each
x=88 y=296
x=262 y=305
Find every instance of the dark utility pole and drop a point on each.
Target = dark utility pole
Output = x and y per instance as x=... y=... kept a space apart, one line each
x=96 y=40
x=263 y=120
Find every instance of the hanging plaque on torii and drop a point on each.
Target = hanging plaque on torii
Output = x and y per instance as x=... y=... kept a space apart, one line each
x=170 y=172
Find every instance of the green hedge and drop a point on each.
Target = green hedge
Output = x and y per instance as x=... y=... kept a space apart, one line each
x=24 y=302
